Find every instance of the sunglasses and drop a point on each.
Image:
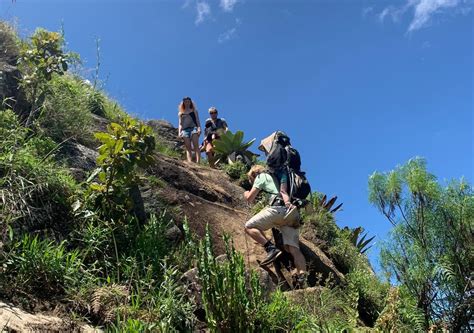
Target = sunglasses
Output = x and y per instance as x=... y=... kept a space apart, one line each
x=213 y=112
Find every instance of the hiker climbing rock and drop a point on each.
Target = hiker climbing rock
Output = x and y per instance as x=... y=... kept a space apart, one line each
x=189 y=128
x=273 y=216
x=213 y=128
x=284 y=161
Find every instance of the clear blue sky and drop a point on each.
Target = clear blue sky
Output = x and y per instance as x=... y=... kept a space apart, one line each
x=358 y=85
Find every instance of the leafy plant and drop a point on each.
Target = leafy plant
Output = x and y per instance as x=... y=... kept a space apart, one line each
x=39 y=60
x=230 y=144
x=96 y=103
x=371 y=293
x=401 y=313
x=359 y=242
x=238 y=171
x=125 y=147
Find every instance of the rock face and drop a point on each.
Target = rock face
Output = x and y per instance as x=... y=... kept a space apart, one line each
x=79 y=158
x=13 y=319
x=168 y=133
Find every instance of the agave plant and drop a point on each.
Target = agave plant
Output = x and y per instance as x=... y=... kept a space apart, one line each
x=360 y=243
x=231 y=147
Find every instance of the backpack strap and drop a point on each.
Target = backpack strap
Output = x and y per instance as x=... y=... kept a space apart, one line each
x=193 y=116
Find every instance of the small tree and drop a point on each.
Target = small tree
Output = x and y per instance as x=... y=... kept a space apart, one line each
x=39 y=60
x=125 y=147
x=430 y=249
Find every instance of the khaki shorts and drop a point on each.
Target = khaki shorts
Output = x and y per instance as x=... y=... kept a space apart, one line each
x=273 y=217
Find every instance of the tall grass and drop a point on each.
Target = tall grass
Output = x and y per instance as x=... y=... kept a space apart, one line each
x=42 y=266
x=65 y=113
x=35 y=192
x=231 y=296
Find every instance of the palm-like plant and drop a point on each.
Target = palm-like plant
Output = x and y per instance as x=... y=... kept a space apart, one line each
x=360 y=243
x=230 y=146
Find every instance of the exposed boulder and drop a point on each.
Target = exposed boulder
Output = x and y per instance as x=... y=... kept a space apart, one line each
x=13 y=319
x=167 y=133
x=79 y=158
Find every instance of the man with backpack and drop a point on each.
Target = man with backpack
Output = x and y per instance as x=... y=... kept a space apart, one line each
x=273 y=216
x=214 y=127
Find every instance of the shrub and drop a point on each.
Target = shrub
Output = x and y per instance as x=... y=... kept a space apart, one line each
x=345 y=255
x=40 y=60
x=372 y=294
x=401 y=313
x=320 y=223
x=126 y=146
x=9 y=42
x=96 y=103
x=238 y=171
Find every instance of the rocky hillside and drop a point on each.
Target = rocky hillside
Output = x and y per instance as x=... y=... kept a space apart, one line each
x=117 y=236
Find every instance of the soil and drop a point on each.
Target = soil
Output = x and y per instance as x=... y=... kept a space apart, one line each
x=204 y=196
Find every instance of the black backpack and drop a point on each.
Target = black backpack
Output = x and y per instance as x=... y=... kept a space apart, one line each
x=283 y=156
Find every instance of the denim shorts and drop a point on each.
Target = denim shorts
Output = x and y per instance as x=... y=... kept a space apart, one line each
x=188 y=132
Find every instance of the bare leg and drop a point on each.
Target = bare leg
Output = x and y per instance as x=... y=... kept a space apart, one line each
x=256 y=235
x=298 y=257
x=195 y=139
x=187 y=145
x=210 y=155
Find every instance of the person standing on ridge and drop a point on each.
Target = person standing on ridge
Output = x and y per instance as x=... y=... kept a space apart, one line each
x=273 y=216
x=213 y=129
x=189 y=128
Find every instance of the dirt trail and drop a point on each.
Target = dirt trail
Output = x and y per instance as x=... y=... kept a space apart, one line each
x=207 y=197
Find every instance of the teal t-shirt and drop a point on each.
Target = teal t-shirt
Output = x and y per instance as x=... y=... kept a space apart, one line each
x=266 y=183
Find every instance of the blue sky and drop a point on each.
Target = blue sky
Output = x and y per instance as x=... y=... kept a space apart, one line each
x=358 y=85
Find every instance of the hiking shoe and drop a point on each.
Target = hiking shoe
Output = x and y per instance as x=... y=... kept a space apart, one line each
x=298 y=281
x=272 y=254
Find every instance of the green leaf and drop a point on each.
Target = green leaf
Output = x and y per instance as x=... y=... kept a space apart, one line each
x=118 y=146
x=104 y=137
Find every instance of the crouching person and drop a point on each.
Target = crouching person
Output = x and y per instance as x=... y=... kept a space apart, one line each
x=273 y=216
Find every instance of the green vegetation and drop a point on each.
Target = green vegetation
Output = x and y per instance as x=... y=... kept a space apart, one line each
x=65 y=114
x=230 y=144
x=92 y=248
x=230 y=298
x=35 y=191
x=128 y=145
x=430 y=249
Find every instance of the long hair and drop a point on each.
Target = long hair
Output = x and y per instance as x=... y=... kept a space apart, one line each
x=255 y=171
x=181 y=106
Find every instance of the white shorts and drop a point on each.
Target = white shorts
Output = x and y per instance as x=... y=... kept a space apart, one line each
x=273 y=217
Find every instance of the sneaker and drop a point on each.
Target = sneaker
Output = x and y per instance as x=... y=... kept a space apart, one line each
x=273 y=253
x=298 y=281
